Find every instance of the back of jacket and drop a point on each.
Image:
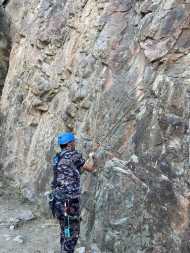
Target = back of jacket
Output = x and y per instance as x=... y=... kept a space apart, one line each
x=68 y=173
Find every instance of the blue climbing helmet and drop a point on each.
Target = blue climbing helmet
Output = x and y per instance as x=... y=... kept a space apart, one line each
x=64 y=138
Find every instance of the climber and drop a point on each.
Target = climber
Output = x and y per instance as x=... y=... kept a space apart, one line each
x=68 y=165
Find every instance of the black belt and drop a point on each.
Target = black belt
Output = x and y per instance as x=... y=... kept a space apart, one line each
x=60 y=196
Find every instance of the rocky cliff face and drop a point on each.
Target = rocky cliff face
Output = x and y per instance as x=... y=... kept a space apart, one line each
x=5 y=45
x=62 y=52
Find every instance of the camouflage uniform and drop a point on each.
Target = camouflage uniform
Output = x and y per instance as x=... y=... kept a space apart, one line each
x=68 y=182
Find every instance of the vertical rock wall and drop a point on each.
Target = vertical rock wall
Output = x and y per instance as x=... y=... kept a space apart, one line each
x=5 y=45
x=62 y=52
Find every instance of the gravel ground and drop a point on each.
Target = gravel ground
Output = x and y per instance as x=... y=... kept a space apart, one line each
x=40 y=234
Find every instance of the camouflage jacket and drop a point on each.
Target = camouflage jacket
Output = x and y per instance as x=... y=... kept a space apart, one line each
x=68 y=173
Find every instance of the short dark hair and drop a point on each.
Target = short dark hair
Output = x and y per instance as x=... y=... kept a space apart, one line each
x=63 y=145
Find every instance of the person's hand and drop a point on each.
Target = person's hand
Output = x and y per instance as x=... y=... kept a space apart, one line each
x=91 y=155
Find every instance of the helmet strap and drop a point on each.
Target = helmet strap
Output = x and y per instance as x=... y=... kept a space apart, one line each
x=72 y=146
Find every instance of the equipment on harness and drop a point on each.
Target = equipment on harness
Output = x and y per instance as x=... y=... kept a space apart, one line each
x=67 y=207
x=65 y=200
x=64 y=138
x=67 y=229
x=67 y=214
x=57 y=196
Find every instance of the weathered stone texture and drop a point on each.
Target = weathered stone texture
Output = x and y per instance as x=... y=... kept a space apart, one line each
x=5 y=44
x=62 y=52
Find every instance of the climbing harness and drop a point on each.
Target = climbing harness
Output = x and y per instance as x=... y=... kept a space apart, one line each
x=65 y=200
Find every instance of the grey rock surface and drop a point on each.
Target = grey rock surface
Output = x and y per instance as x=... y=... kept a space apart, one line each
x=62 y=52
x=80 y=250
x=19 y=239
x=27 y=215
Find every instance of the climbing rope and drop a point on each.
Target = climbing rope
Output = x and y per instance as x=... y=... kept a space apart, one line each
x=134 y=101
x=96 y=121
x=90 y=180
x=111 y=129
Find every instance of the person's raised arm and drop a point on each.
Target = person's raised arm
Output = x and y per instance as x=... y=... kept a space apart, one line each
x=89 y=164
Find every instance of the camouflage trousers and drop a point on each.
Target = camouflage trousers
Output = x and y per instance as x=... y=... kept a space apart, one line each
x=68 y=244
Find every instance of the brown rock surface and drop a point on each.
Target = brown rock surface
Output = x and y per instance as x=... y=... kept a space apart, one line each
x=62 y=52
